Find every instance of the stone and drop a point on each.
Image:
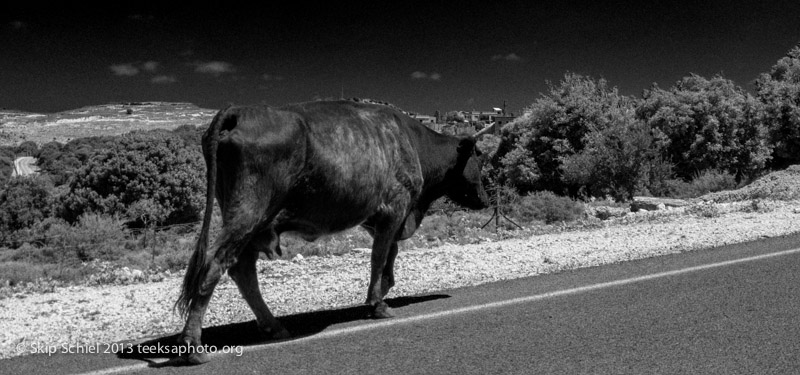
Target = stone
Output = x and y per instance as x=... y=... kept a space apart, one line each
x=654 y=204
x=605 y=213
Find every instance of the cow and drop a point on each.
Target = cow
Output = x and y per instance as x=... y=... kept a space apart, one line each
x=313 y=169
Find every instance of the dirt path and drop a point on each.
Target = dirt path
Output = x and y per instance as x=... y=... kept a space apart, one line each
x=25 y=166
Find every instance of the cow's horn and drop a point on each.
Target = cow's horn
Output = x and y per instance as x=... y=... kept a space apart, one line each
x=487 y=129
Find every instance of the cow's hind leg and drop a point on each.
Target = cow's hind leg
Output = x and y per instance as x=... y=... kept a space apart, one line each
x=220 y=257
x=244 y=274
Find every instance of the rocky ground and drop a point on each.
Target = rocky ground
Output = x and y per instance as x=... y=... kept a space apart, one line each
x=99 y=120
x=83 y=315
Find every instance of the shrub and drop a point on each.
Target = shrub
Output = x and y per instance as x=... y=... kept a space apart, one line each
x=13 y=273
x=779 y=90
x=706 y=182
x=708 y=124
x=23 y=202
x=92 y=237
x=548 y=207
x=704 y=210
x=614 y=162
x=553 y=128
x=156 y=166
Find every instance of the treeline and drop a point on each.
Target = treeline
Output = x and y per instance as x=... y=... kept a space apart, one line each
x=584 y=139
x=581 y=139
x=143 y=178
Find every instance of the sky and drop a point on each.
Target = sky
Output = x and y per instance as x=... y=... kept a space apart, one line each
x=422 y=56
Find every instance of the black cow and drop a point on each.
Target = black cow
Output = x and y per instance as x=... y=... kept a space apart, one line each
x=312 y=169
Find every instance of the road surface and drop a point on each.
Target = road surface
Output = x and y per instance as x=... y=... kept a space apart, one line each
x=731 y=310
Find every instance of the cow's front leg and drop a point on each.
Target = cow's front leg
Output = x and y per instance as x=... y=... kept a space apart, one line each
x=387 y=279
x=379 y=283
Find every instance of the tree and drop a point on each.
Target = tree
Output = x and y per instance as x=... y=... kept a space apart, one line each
x=554 y=128
x=779 y=91
x=149 y=213
x=6 y=163
x=616 y=161
x=708 y=124
x=27 y=148
x=23 y=202
x=454 y=116
x=154 y=165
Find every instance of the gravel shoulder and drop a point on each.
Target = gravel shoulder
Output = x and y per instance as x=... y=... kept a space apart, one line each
x=83 y=315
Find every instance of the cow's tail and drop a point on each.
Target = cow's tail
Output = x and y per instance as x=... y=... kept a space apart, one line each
x=197 y=269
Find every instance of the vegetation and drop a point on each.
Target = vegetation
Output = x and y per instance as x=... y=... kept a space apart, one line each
x=134 y=200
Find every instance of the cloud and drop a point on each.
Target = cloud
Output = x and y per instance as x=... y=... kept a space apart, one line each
x=17 y=25
x=272 y=77
x=150 y=66
x=422 y=75
x=214 y=67
x=126 y=70
x=163 y=79
x=510 y=57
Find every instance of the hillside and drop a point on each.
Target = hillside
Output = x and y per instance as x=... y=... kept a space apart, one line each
x=107 y=119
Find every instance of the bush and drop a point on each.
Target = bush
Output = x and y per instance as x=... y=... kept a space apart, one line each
x=553 y=128
x=708 y=124
x=92 y=237
x=779 y=90
x=548 y=207
x=707 y=182
x=615 y=161
x=157 y=166
x=23 y=202
x=705 y=210
x=13 y=273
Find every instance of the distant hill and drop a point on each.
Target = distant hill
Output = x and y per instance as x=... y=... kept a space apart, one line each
x=108 y=119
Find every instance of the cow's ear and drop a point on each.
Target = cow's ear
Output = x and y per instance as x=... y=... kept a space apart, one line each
x=466 y=146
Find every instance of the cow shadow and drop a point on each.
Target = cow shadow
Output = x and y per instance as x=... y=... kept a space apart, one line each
x=246 y=333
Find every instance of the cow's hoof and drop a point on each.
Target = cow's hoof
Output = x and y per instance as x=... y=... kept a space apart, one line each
x=382 y=311
x=277 y=333
x=196 y=358
x=191 y=352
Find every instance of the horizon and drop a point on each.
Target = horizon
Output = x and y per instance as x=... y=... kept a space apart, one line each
x=421 y=57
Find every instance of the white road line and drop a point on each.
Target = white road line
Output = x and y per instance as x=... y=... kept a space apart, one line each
x=469 y=309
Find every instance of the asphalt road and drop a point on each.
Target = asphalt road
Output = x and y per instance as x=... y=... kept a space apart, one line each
x=23 y=166
x=729 y=310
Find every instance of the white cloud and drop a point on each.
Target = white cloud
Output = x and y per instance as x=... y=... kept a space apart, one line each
x=126 y=70
x=163 y=79
x=214 y=67
x=509 y=57
x=422 y=75
x=150 y=66
x=18 y=25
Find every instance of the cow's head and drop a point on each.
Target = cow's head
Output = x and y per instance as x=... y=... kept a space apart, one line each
x=465 y=186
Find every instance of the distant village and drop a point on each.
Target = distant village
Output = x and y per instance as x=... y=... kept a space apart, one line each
x=455 y=122
x=464 y=122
